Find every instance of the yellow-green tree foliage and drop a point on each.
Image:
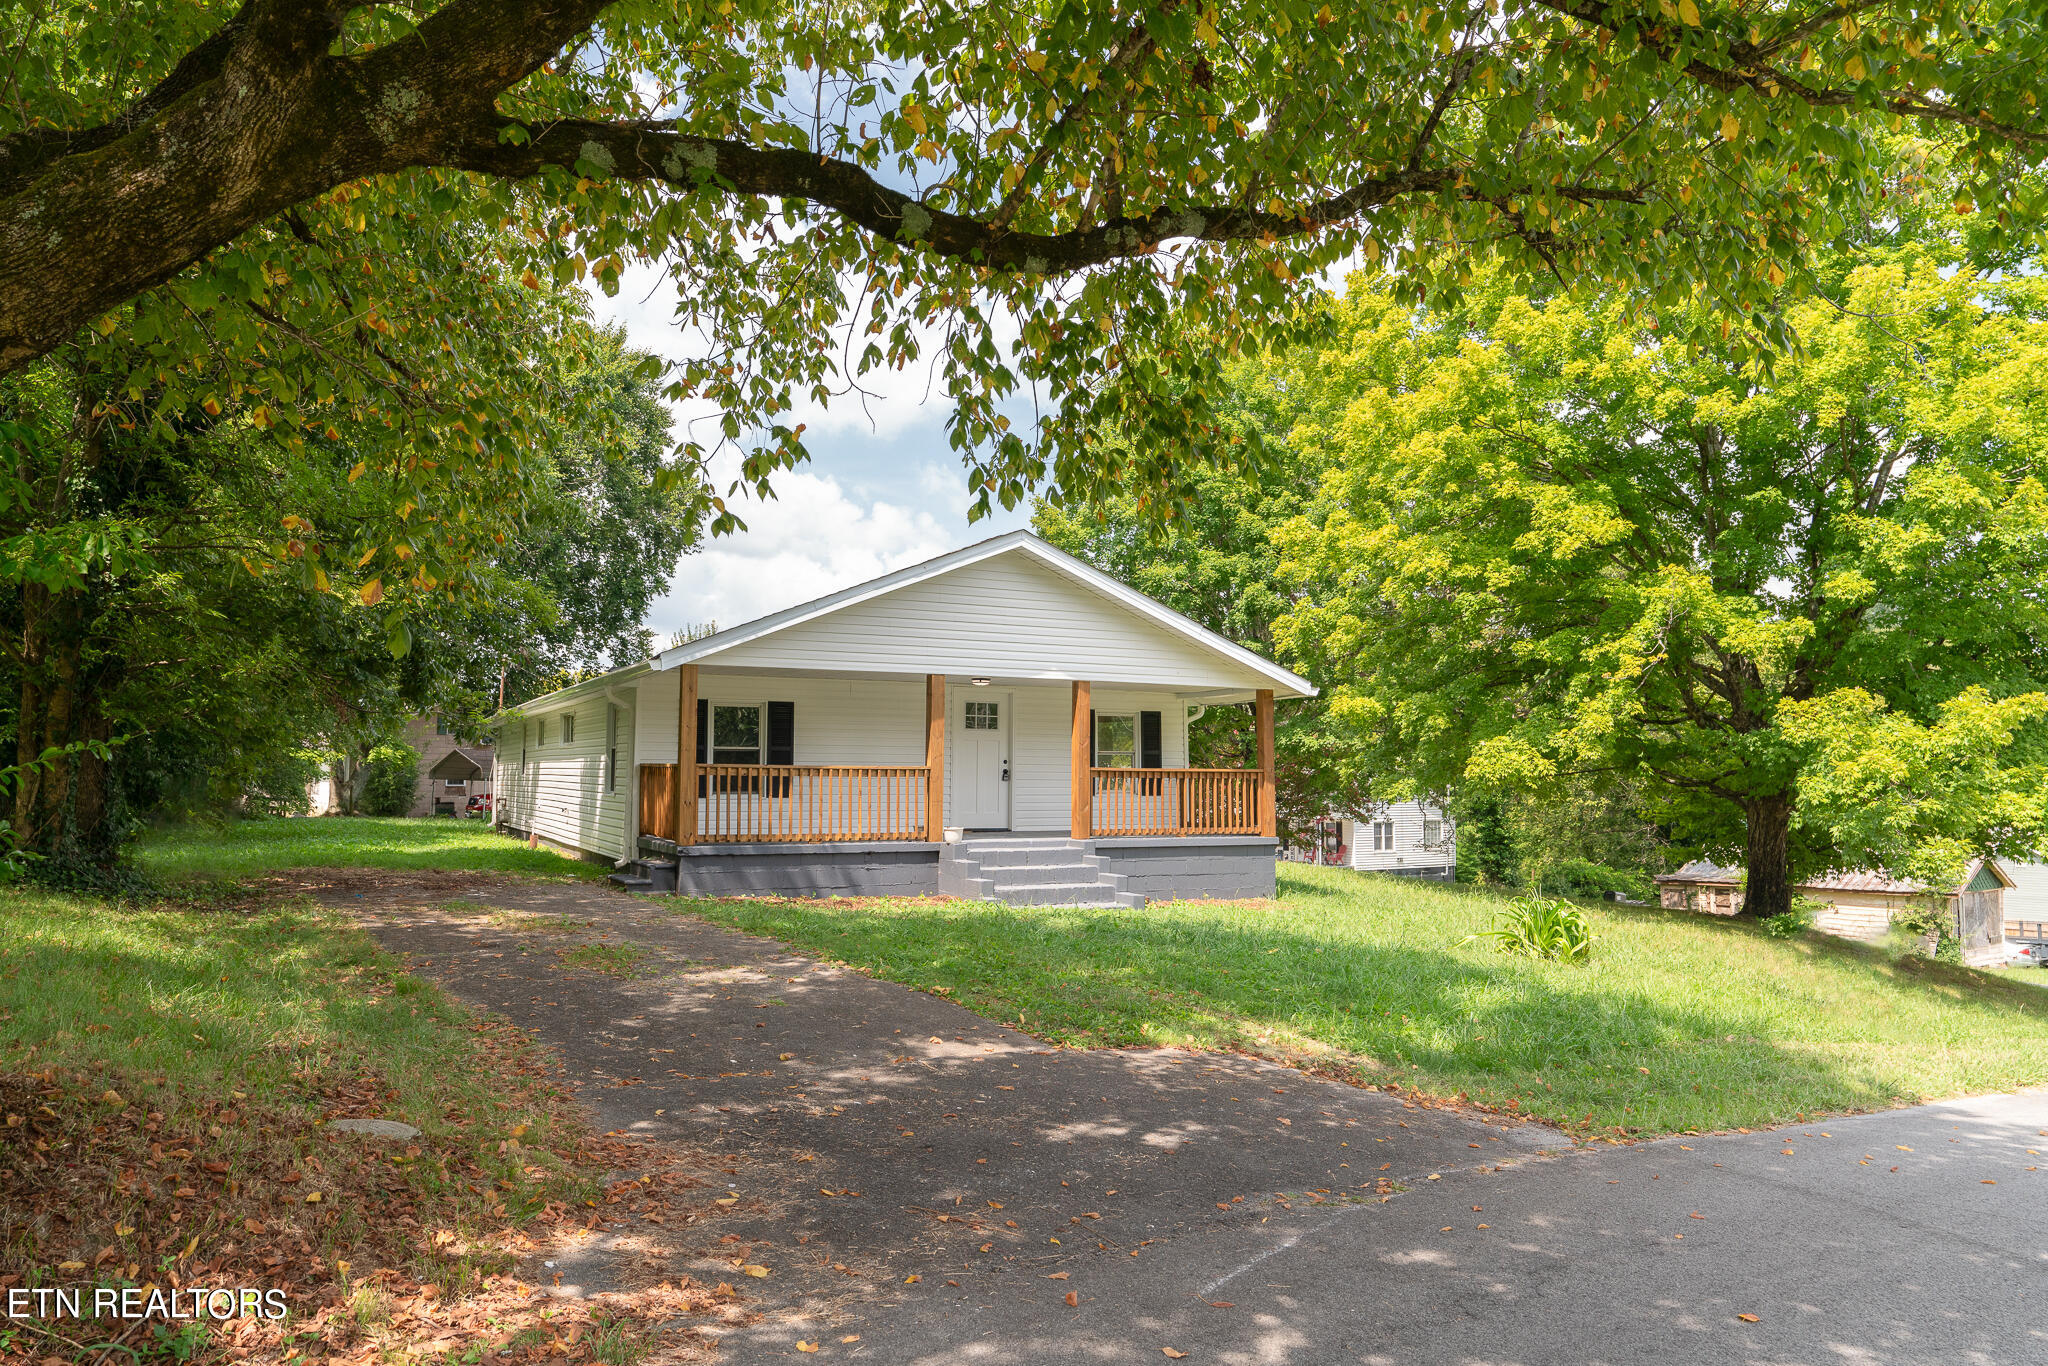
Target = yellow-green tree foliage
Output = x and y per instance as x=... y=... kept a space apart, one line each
x=1804 y=604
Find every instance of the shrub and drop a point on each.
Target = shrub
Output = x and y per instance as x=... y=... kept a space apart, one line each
x=1930 y=918
x=1583 y=877
x=1542 y=928
x=278 y=785
x=1795 y=922
x=391 y=780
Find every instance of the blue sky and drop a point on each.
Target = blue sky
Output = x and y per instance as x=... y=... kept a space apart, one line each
x=883 y=490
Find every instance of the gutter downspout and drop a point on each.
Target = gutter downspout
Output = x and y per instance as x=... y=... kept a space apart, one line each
x=630 y=822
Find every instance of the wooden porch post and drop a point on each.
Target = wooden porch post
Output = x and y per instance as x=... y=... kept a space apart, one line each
x=1081 y=783
x=685 y=804
x=934 y=757
x=1269 y=811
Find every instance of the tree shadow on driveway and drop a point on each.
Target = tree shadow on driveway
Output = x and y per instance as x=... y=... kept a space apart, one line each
x=888 y=1145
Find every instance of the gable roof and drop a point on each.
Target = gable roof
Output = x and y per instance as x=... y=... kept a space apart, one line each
x=461 y=763
x=1026 y=547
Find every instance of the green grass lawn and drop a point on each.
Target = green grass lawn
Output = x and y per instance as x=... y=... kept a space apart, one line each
x=1679 y=1022
x=243 y=848
x=219 y=1034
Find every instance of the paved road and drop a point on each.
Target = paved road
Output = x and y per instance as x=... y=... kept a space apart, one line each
x=1225 y=1208
x=1847 y=1247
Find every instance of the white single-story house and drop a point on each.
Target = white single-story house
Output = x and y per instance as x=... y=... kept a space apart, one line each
x=1860 y=903
x=1003 y=721
x=1407 y=839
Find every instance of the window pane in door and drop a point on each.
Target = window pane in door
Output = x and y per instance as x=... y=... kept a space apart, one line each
x=735 y=735
x=983 y=716
x=1116 y=741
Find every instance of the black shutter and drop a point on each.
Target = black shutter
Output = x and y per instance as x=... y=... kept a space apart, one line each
x=781 y=732
x=1151 y=753
x=1091 y=738
x=781 y=739
x=703 y=745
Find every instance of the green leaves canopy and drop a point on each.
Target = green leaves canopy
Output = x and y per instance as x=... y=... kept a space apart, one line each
x=1027 y=193
x=1559 y=544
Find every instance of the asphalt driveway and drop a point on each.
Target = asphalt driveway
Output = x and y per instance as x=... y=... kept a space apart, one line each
x=930 y=1187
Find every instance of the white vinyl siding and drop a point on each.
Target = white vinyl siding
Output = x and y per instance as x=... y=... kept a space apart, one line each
x=1012 y=617
x=1408 y=848
x=559 y=791
x=2027 y=899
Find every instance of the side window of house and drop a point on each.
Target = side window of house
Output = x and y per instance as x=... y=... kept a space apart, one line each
x=540 y=732
x=1432 y=833
x=1382 y=835
x=440 y=726
x=569 y=728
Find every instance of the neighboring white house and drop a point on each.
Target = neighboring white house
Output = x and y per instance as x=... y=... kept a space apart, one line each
x=1411 y=839
x=2026 y=902
x=1006 y=697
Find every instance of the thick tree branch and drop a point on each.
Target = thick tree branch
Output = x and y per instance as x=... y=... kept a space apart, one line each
x=1752 y=70
x=654 y=151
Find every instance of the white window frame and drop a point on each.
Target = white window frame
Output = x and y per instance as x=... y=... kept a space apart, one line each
x=1432 y=831
x=1137 y=739
x=568 y=727
x=447 y=783
x=967 y=713
x=1382 y=837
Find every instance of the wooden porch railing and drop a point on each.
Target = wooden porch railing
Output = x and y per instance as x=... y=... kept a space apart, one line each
x=787 y=803
x=1175 y=801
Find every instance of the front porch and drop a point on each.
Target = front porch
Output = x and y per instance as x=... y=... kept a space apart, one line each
x=999 y=757
x=1126 y=789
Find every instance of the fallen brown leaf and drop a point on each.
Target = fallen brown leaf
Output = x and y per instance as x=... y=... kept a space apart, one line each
x=1072 y=1299
x=1748 y=1318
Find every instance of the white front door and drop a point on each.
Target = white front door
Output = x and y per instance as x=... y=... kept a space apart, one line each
x=981 y=760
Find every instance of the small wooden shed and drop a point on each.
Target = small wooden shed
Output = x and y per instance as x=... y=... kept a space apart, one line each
x=1861 y=904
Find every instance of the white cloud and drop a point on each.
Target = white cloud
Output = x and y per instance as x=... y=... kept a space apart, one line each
x=812 y=539
x=884 y=490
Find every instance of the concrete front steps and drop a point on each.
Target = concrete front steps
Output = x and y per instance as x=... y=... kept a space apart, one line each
x=1032 y=870
x=646 y=874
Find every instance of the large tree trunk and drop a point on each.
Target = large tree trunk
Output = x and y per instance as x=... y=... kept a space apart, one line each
x=1768 y=855
x=61 y=809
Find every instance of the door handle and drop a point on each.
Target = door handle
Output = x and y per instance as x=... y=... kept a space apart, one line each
x=1006 y=770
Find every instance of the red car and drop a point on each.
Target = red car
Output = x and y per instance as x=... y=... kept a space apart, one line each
x=479 y=806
